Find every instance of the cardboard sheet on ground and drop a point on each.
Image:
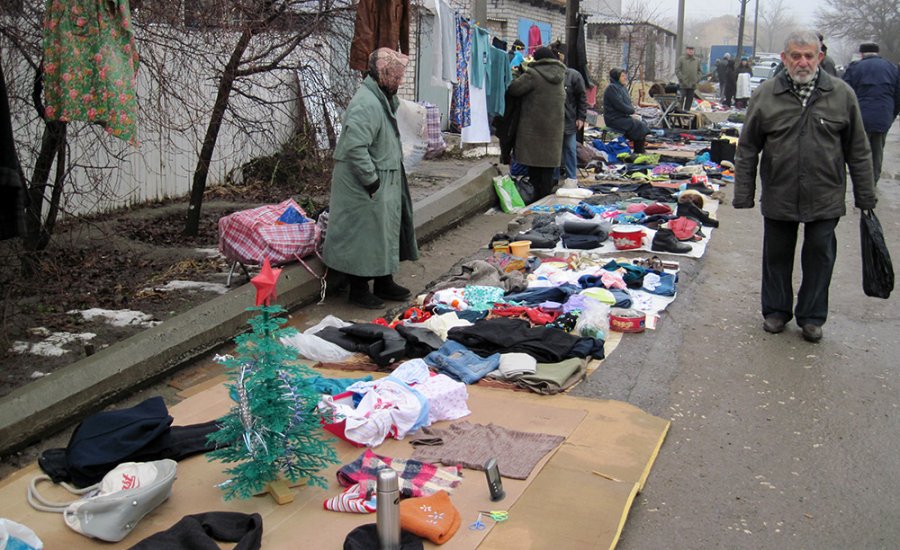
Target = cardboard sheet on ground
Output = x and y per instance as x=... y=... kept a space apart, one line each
x=589 y=482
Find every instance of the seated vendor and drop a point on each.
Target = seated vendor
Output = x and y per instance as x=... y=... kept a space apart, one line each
x=619 y=113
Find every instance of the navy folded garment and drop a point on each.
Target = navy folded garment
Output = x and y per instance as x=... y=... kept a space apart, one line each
x=577 y=227
x=582 y=242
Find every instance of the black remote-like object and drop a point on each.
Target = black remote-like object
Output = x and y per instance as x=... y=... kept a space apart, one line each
x=495 y=486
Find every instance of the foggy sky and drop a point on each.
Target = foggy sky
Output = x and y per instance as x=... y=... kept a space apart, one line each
x=802 y=10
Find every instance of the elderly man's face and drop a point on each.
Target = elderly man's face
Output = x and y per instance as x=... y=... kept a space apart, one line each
x=801 y=61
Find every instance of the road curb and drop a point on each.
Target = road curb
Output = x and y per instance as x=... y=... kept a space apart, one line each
x=51 y=403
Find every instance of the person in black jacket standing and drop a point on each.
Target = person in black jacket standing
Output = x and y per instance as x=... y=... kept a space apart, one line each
x=876 y=82
x=576 y=113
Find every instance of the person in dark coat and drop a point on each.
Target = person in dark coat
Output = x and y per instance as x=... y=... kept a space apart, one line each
x=876 y=82
x=730 y=82
x=370 y=224
x=539 y=136
x=619 y=113
x=721 y=65
x=807 y=126
x=827 y=64
x=576 y=113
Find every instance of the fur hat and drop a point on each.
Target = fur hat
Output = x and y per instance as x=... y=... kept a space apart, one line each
x=693 y=196
x=868 y=47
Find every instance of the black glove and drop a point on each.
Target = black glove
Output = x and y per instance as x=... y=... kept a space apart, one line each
x=372 y=187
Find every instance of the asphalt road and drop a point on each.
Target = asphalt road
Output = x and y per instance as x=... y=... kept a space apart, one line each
x=775 y=442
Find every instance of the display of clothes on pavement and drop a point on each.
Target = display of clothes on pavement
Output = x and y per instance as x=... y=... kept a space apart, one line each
x=90 y=65
x=472 y=445
x=379 y=24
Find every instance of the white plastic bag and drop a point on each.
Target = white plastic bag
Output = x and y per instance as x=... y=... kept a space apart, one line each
x=311 y=347
x=17 y=536
x=411 y=122
x=594 y=320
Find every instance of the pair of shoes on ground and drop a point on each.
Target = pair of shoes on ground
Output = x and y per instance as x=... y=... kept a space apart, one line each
x=384 y=288
x=774 y=325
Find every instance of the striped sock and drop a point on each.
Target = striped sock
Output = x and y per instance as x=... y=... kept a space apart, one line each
x=351 y=501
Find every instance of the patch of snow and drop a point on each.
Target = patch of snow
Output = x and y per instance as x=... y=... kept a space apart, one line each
x=38 y=374
x=218 y=288
x=481 y=151
x=118 y=317
x=52 y=346
x=208 y=252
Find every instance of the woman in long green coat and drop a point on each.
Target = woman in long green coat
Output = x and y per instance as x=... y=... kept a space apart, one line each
x=370 y=223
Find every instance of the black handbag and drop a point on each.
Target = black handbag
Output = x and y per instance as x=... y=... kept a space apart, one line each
x=878 y=271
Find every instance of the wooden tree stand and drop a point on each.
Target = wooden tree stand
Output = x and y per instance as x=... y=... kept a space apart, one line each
x=281 y=490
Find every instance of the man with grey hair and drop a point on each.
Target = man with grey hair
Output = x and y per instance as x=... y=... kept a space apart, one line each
x=807 y=126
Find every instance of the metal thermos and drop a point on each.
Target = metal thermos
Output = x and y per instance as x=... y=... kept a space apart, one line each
x=387 y=514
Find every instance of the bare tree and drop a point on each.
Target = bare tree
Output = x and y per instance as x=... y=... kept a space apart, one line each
x=187 y=47
x=262 y=46
x=776 y=24
x=641 y=40
x=863 y=20
x=41 y=143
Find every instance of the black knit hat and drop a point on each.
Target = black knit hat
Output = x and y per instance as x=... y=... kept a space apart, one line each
x=543 y=53
x=868 y=47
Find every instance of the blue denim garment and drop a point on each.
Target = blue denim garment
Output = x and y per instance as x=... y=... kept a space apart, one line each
x=534 y=296
x=623 y=298
x=456 y=361
x=570 y=155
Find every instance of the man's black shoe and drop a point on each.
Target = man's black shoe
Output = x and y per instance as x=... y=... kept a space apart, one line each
x=773 y=324
x=812 y=333
x=386 y=289
x=666 y=241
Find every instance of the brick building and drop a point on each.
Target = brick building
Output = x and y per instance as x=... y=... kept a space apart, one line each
x=610 y=40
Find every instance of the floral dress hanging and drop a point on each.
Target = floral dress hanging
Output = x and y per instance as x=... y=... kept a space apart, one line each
x=90 y=64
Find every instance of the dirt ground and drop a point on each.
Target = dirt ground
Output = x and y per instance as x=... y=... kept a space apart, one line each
x=120 y=261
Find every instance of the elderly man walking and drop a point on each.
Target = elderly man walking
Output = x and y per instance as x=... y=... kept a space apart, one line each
x=688 y=72
x=807 y=126
x=876 y=82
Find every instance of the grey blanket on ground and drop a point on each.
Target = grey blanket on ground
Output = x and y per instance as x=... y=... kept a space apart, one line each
x=551 y=378
x=479 y=272
x=471 y=445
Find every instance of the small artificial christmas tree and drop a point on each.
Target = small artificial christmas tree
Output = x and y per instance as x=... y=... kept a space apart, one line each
x=273 y=430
